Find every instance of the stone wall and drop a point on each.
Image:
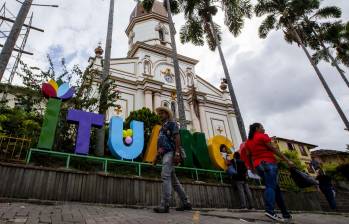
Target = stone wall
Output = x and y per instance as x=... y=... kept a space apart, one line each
x=28 y=182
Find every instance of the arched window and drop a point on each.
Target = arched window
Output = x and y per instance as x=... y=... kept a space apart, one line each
x=161 y=35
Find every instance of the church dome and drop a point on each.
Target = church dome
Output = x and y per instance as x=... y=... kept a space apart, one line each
x=139 y=11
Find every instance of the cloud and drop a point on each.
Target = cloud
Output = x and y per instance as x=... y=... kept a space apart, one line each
x=274 y=82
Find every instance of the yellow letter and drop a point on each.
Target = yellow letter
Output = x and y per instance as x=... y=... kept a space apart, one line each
x=151 y=151
x=214 y=145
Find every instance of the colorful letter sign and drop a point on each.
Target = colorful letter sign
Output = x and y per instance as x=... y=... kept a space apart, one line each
x=124 y=144
x=56 y=92
x=195 y=147
x=85 y=120
x=116 y=143
x=214 y=150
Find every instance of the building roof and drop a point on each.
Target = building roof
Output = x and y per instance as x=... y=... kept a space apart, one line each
x=139 y=14
x=158 y=8
x=328 y=152
x=310 y=146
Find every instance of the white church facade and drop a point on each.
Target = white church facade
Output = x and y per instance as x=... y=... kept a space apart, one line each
x=145 y=78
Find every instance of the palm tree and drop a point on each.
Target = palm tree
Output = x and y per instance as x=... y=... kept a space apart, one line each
x=284 y=14
x=200 y=26
x=337 y=35
x=172 y=6
x=314 y=35
x=103 y=104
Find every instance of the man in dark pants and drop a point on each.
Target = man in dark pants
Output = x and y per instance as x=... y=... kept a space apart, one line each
x=326 y=187
x=169 y=151
x=240 y=181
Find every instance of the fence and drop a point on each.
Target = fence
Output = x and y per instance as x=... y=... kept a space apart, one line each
x=14 y=149
x=284 y=177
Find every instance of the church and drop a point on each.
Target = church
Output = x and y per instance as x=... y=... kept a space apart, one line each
x=145 y=78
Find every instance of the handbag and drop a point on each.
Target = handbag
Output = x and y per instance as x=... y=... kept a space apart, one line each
x=302 y=179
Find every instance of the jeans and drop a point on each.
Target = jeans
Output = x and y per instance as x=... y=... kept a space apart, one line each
x=169 y=179
x=244 y=190
x=272 y=193
x=329 y=194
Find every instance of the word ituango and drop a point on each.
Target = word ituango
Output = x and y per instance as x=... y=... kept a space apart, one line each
x=200 y=153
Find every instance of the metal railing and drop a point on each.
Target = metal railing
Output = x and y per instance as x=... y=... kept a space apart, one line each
x=106 y=162
x=14 y=148
x=285 y=180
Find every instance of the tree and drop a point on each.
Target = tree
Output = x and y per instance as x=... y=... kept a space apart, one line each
x=285 y=14
x=105 y=85
x=200 y=26
x=149 y=118
x=172 y=6
x=33 y=102
x=337 y=36
x=314 y=33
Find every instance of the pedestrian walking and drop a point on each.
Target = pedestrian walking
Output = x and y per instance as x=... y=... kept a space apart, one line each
x=170 y=152
x=326 y=187
x=240 y=181
x=261 y=154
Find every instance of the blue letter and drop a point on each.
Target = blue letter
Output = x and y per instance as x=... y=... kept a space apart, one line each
x=115 y=141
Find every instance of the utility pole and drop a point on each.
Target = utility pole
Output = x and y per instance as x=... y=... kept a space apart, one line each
x=13 y=36
x=104 y=80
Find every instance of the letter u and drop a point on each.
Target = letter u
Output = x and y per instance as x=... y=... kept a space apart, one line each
x=116 y=143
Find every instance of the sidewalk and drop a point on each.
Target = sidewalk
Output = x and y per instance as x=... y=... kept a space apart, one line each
x=73 y=213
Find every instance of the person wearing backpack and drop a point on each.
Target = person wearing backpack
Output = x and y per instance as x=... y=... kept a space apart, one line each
x=169 y=150
x=240 y=181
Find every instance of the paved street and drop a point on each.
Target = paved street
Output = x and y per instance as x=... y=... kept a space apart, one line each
x=94 y=214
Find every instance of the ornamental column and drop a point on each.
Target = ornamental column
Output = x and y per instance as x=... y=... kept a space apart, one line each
x=148 y=99
x=157 y=100
x=203 y=119
x=194 y=119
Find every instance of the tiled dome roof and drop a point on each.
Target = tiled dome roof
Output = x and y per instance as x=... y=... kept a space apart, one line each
x=158 y=8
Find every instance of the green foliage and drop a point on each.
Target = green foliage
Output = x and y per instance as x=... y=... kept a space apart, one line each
x=18 y=122
x=149 y=118
x=337 y=172
x=314 y=25
x=343 y=169
x=293 y=156
x=199 y=15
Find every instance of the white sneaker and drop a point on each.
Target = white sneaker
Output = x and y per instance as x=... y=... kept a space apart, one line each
x=274 y=217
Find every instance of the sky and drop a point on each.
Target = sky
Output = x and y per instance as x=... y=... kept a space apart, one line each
x=274 y=82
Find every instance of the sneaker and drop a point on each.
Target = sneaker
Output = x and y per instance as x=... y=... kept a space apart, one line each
x=274 y=217
x=186 y=206
x=161 y=209
x=288 y=219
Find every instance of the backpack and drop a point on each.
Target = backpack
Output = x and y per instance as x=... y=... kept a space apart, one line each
x=171 y=137
x=232 y=170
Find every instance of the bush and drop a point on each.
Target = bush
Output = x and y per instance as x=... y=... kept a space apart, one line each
x=336 y=171
x=150 y=119
x=20 y=123
x=293 y=156
x=343 y=170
